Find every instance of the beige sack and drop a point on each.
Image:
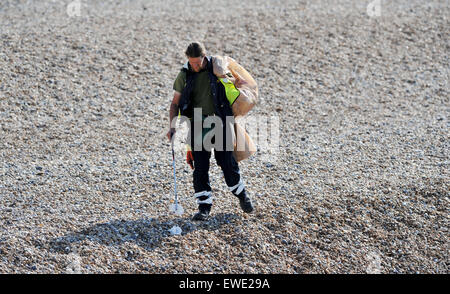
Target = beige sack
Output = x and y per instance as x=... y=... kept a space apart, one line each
x=243 y=145
x=224 y=66
x=227 y=67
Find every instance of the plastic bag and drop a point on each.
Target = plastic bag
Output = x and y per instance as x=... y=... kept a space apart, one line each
x=176 y=209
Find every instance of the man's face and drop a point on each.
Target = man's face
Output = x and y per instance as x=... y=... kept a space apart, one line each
x=197 y=63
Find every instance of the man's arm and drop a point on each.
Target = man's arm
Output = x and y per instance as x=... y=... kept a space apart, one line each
x=173 y=113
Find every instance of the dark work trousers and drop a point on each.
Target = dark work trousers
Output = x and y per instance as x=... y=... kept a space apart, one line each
x=225 y=159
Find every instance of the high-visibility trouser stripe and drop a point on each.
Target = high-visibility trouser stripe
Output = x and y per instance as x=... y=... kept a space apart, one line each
x=203 y=194
x=239 y=187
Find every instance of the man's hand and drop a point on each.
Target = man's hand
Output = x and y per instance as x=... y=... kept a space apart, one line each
x=171 y=133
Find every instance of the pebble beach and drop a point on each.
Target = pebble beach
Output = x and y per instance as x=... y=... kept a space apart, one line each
x=358 y=180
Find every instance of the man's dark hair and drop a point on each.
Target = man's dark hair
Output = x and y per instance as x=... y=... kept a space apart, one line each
x=195 y=49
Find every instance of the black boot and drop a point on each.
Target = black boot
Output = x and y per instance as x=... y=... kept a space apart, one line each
x=245 y=202
x=203 y=213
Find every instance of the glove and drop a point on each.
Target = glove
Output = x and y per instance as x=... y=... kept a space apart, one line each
x=190 y=159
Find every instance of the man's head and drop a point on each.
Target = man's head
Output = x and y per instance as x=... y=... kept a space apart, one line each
x=196 y=53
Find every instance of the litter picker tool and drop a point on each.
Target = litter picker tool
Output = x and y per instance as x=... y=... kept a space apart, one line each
x=176 y=207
